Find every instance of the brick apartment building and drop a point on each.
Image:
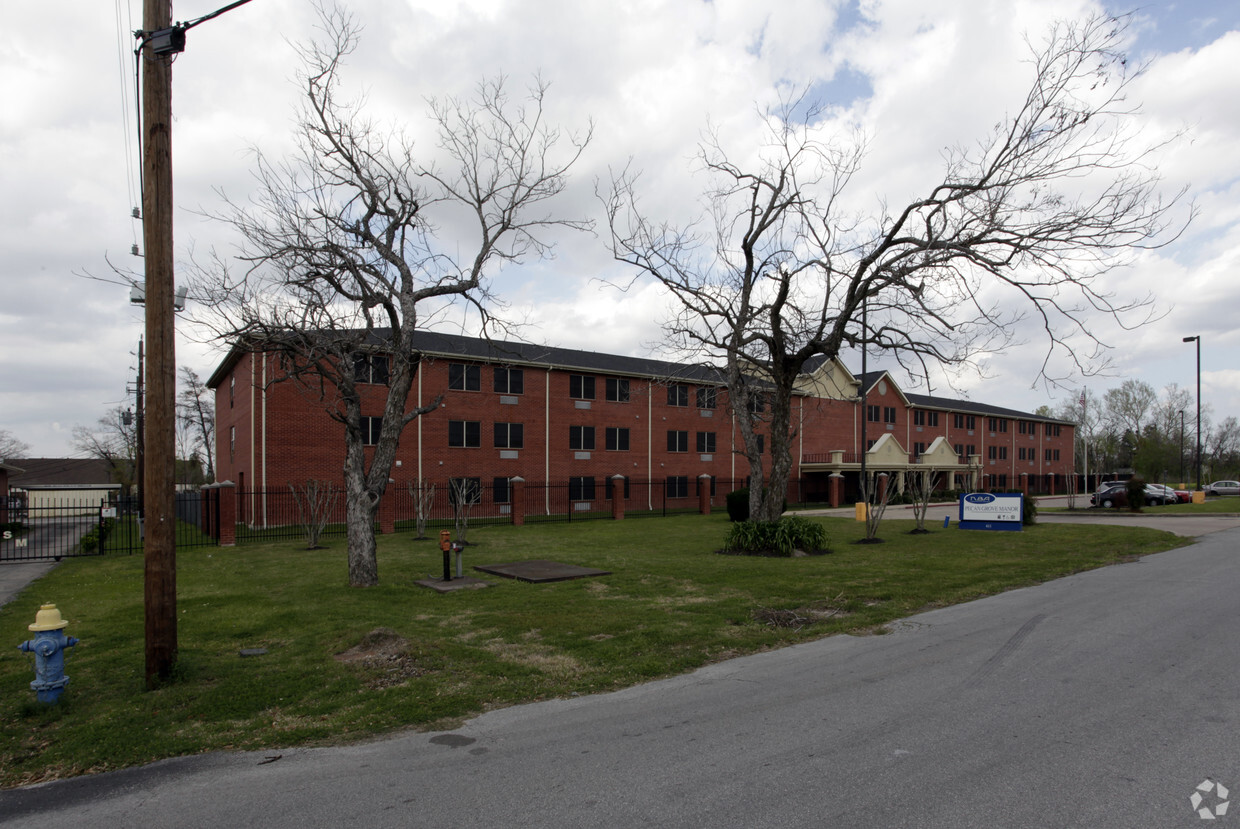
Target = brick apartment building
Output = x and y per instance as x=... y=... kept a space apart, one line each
x=580 y=418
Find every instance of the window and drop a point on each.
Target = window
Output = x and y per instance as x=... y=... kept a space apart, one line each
x=706 y=443
x=964 y=421
x=370 y=368
x=581 y=386
x=970 y=449
x=677 y=395
x=581 y=489
x=618 y=389
x=872 y=413
x=232 y=388
x=757 y=403
x=501 y=490
x=232 y=442
x=1052 y=454
x=464 y=491
x=1052 y=430
x=761 y=439
x=889 y=414
x=921 y=417
x=581 y=438
x=371 y=426
x=706 y=397
x=998 y=453
x=677 y=486
x=677 y=441
x=616 y=439
x=959 y=448
x=919 y=449
x=509 y=436
x=997 y=424
x=509 y=380
x=462 y=377
x=466 y=433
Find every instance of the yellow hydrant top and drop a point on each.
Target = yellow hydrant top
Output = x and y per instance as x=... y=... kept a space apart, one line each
x=48 y=618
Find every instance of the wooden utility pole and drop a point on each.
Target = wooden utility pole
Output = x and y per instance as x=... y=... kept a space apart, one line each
x=160 y=455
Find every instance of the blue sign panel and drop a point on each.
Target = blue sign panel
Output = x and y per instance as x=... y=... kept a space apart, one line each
x=988 y=511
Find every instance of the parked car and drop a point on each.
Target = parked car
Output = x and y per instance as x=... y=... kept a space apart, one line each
x=1160 y=494
x=1223 y=488
x=1115 y=494
x=1185 y=495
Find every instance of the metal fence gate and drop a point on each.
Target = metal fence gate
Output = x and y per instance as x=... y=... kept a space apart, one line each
x=42 y=526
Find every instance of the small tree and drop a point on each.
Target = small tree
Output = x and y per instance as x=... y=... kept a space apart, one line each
x=464 y=493
x=1135 y=490
x=922 y=484
x=423 y=499
x=314 y=500
x=876 y=498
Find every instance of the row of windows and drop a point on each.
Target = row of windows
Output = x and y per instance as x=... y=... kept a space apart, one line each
x=468 y=434
x=584 y=488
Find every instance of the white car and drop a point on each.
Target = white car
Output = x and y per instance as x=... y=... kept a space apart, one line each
x=1223 y=488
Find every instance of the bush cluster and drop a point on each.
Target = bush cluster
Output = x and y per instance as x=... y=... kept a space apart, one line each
x=777 y=538
x=93 y=541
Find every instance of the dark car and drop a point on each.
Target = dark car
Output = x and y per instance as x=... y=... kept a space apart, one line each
x=1115 y=494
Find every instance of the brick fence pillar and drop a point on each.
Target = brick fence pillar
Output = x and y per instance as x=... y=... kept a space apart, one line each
x=226 y=502
x=518 y=501
x=1024 y=483
x=704 y=494
x=617 y=497
x=835 y=483
x=882 y=488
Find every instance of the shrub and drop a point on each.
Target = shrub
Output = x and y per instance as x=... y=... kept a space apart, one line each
x=1029 y=510
x=1135 y=487
x=738 y=504
x=777 y=538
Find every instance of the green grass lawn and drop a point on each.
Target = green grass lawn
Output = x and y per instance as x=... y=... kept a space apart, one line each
x=671 y=604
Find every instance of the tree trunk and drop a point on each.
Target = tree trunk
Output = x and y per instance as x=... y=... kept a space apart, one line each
x=360 y=508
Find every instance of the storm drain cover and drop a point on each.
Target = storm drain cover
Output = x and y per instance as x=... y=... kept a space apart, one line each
x=541 y=570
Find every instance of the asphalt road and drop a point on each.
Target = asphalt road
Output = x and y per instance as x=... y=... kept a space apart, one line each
x=1100 y=700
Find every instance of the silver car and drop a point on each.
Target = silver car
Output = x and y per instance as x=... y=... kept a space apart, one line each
x=1223 y=488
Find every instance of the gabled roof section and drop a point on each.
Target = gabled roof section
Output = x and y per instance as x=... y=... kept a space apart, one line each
x=925 y=401
x=62 y=472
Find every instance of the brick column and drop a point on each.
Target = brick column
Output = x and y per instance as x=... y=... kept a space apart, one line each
x=835 y=483
x=1024 y=483
x=704 y=494
x=617 y=497
x=227 y=492
x=882 y=487
x=518 y=501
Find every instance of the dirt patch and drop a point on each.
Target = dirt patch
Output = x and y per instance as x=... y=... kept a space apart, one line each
x=801 y=617
x=383 y=657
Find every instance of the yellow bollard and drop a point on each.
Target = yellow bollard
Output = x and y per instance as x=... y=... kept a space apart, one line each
x=1199 y=497
x=861 y=510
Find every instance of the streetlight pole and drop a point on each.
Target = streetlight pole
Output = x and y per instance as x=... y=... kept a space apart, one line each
x=1197 y=339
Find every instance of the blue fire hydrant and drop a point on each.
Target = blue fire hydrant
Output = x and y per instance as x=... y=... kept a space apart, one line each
x=48 y=647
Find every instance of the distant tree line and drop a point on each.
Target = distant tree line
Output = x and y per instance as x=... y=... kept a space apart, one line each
x=1135 y=429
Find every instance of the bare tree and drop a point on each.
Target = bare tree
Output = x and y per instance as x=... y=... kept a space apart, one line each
x=113 y=439
x=342 y=259
x=464 y=493
x=423 y=497
x=196 y=419
x=1022 y=224
x=875 y=496
x=315 y=501
x=11 y=447
x=922 y=483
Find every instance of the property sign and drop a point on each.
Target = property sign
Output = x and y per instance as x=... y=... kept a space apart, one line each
x=987 y=511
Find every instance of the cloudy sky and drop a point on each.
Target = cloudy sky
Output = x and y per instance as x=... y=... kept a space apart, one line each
x=914 y=75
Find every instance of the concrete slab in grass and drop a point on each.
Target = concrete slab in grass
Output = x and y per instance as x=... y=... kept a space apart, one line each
x=541 y=570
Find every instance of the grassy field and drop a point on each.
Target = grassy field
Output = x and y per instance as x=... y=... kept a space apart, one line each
x=671 y=604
